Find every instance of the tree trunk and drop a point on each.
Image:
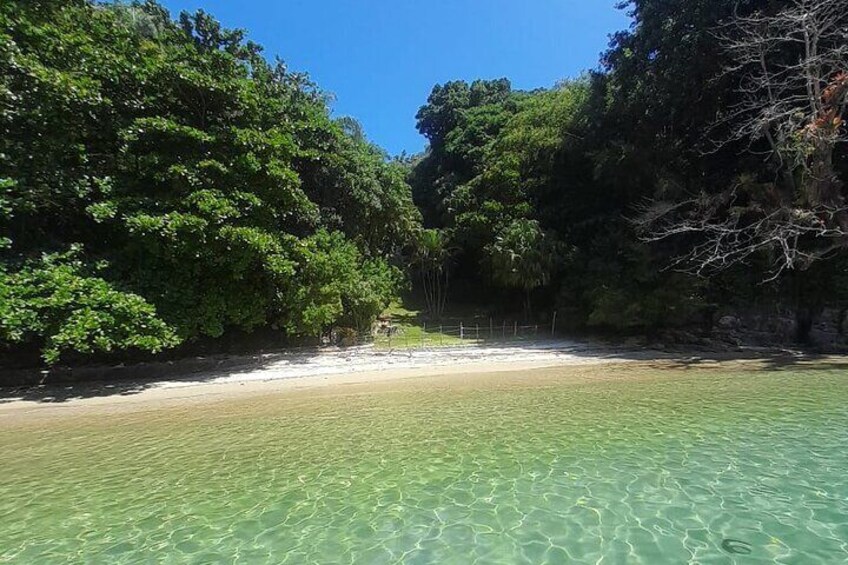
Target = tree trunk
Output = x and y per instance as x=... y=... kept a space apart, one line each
x=840 y=324
x=708 y=320
x=808 y=305
x=804 y=319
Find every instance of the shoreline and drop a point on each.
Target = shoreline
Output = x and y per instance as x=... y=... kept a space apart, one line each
x=173 y=395
x=336 y=371
x=320 y=371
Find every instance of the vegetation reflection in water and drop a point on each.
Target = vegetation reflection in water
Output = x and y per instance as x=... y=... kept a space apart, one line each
x=666 y=467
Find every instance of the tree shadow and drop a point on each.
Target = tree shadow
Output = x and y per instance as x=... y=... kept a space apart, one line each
x=757 y=359
x=69 y=384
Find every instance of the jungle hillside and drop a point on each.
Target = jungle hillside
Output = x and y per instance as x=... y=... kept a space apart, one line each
x=164 y=182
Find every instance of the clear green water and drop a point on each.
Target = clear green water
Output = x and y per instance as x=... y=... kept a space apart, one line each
x=668 y=468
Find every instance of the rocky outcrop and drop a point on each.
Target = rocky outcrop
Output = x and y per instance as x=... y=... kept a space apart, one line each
x=779 y=327
x=775 y=328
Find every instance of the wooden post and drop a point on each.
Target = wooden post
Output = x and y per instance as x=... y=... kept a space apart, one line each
x=477 y=332
x=515 y=329
x=553 y=324
x=423 y=335
x=461 y=331
x=441 y=335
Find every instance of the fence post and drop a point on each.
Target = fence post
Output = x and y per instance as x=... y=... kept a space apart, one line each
x=553 y=324
x=477 y=332
x=491 y=328
x=423 y=335
x=441 y=335
x=461 y=331
x=389 y=336
x=515 y=329
x=504 y=330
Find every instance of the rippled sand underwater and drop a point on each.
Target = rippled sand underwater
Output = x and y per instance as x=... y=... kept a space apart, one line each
x=594 y=465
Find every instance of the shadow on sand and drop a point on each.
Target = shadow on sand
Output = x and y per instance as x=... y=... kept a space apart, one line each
x=68 y=384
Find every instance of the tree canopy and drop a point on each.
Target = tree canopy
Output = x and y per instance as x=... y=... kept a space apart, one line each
x=182 y=184
x=163 y=181
x=646 y=164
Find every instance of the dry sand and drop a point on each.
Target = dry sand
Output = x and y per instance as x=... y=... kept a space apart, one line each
x=289 y=373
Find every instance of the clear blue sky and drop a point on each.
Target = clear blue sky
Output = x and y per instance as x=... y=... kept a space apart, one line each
x=381 y=58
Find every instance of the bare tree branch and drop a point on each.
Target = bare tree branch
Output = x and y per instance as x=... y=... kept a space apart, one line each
x=791 y=70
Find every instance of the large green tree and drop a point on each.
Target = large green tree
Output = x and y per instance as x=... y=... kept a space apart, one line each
x=585 y=159
x=202 y=186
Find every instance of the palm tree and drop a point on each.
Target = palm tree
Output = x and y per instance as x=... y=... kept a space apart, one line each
x=431 y=256
x=522 y=256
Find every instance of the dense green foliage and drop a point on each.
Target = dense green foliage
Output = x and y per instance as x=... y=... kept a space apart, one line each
x=576 y=165
x=161 y=181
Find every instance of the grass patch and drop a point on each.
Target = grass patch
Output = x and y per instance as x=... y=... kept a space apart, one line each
x=415 y=331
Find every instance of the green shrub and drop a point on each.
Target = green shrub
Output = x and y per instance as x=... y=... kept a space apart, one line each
x=53 y=303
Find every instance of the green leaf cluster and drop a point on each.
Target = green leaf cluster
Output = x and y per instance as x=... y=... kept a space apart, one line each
x=209 y=184
x=536 y=192
x=54 y=300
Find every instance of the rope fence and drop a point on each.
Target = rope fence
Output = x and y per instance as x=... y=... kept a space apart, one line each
x=442 y=335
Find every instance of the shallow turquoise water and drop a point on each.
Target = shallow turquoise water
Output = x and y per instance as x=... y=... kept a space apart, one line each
x=672 y=467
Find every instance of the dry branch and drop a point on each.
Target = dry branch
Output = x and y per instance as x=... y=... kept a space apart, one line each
x=791 y=69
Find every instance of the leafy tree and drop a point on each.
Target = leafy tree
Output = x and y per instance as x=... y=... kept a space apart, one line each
x=431 y=255
x=522 y=256
x=506 y=170
x=333 y=285
x=497 y=174
x=55 y=303
x=460 y=120
x=200 y=178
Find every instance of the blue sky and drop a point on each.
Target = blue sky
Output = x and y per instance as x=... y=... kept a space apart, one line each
x=381 y=58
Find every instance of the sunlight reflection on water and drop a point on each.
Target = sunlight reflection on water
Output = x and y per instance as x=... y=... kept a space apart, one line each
x=688 y=466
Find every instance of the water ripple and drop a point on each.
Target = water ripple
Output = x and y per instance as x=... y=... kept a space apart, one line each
x=693 y=467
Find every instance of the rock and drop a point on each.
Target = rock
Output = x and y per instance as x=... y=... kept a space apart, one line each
x=731 y=339
x=634 y=342
x=729 y=322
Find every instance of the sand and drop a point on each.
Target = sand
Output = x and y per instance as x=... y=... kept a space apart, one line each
x=289 y=373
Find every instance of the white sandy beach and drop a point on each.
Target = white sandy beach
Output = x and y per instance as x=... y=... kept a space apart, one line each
x=305 y=369
x=229 y=377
